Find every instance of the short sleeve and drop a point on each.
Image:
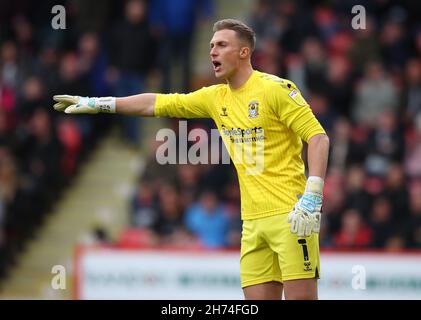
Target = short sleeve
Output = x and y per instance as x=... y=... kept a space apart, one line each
x=294 y=111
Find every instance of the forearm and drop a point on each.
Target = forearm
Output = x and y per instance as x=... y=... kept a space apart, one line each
x=137 y=105
x=317 y=155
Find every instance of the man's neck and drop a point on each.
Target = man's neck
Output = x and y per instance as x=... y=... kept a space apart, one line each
x=240 y=77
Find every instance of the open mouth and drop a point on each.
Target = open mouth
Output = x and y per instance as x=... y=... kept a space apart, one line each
x=216 y=66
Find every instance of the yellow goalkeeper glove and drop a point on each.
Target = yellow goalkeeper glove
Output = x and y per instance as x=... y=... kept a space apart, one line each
x=77 y=104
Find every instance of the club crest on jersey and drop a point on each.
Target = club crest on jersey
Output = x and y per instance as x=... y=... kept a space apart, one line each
x=253 y=109
x=224 y=112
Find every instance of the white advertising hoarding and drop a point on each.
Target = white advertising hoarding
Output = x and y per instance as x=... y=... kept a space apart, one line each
x=370 y=275
x=159 y=274
x=208 y=275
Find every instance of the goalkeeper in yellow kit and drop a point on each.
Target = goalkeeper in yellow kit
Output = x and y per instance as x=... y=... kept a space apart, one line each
x=266 y=116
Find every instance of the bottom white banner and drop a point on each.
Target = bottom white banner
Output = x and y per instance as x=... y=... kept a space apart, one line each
x=208 y=275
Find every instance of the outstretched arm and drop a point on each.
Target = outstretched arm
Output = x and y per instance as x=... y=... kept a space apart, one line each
x=136 y=105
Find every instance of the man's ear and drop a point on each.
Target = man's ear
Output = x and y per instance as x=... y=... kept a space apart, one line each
x=244 y=52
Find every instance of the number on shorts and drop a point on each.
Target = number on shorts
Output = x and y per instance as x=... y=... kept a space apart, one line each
x=303 y=243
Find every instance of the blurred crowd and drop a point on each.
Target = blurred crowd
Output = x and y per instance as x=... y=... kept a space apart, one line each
x=185 y=204
x=100 y=49
x=363 y=85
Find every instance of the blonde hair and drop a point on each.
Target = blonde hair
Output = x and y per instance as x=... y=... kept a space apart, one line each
x=243 y=31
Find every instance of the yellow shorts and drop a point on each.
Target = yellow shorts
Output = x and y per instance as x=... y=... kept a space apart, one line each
x=270 y=252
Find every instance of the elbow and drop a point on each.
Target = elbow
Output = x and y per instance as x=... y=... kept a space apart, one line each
x=320 y=138
x=326 y=139
x=321 y=142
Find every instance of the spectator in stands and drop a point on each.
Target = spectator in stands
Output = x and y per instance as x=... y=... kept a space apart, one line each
x=412 y=91
x=269 y=58
x=417 y=42
x=414 y=224
x=175 y=36
x=334 y=196
x=326 y=21
x=340 y=145
x=91 y=16
x=8 y=185
x=394 y=40
x=297 y=24
x=169 y=224
x=295 y=70
x=381 y=221
x=41 y=155
x=19 y=202
x=396 y=243
x=208 y=220
x=354 y=233
x=357 y=151
x=23 y=30
x=321 y=109
x=365 y=47
x=9 y=181
x=32 y=98
x=261 y=14
x=71 y=139
x=188 y=180
x=217 y=177
x=375 y=94
x=154 y=171
x=143 y=210
x=93 y=64
x=46 y=68
x=356 y=195
x=396 y=191
x=315 y=65
x=413 y=152
x=131 y=57
x=9 y=67
x=7 y=134
x=385 y=144
x=72 y=80
x=339 y=80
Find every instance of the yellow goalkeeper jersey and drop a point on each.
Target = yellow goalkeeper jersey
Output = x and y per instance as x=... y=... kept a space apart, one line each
x=262 y=124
